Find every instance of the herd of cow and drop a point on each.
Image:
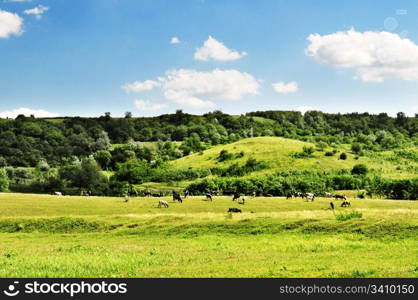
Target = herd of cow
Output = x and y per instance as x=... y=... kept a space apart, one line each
x=242 y=199
x=236 y=197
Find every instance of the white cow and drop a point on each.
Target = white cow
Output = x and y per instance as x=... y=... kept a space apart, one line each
x=162 y=203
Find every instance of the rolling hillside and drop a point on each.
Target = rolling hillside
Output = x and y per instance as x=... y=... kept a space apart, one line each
x=278 y=153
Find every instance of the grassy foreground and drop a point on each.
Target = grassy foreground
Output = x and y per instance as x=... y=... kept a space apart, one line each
x=49 y=236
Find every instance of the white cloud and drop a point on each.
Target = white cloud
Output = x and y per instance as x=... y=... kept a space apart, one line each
x=376 y=56
x=146 y=105
x=286 y=88
x=213 y=49
x=304 y=108
x=39 y=113
x=175 y=40
x=195 y=89
x=10 y=24
x=140 y=86
x=36 y=11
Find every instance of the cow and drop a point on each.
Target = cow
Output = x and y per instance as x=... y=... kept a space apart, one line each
x=162 y=203
x=186 y=194
x=236 y=196
x=329 y=195
x=310 y=197
x=345 y=203
x=85 y=193
x=341 y=197
x=254 y=194
x=127 y=198
x=57 y=193
x=160 y=194
x=234 y=210
x=146 y=193
x=242 y=200
x=209 y=197
x=289 y=196
x=331 y=205
x=176 y=197
x=215 y=193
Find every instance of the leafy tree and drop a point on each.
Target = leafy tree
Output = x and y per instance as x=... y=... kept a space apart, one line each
x=104 y=158
x=4 y=180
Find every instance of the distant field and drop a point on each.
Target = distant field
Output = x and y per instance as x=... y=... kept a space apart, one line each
x=277 y=152
x=51 y=236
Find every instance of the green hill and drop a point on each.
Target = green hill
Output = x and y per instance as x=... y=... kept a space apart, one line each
x=279 y=152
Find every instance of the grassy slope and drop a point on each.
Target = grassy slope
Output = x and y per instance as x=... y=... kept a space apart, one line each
x=277 y=152
x=43 y=235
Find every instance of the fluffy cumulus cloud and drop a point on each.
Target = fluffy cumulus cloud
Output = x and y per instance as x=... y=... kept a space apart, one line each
x=10 y=24
x=36 y=11
x=39 y=113
x=376 y=56
x=139 y=86
x=146 y=105
x=286 y=88
x=175 y=40
x=198 y=90
x=215 y=50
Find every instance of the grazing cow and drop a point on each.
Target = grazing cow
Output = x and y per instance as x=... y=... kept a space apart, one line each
x=209 y=197
x=162 y=203
x=236 y=196
x=234 y=210
x=57 y=193
x=215 y=193
x=345 y=203
x=146 y=193
x=329 y=195
x=289 y=196
x=331 y=205
x=242 y=200
x=85 y=193
x=186 y=194
x=176 y=196
x=310 y=197
x=341 y=197
x=133 y=192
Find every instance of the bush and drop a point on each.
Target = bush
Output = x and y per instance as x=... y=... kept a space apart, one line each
x=306 y=152
x=359 y=169
x=349 y=215
x=356 y=148
x=224 y=155
x=329 y=153
x=343 y=156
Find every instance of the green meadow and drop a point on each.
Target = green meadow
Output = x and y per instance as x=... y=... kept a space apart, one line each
x=278 y=154
x=52 y=236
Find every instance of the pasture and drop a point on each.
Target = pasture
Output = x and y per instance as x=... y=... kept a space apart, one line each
x=53 y=236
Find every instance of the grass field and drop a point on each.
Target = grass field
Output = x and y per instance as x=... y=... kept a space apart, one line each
x=50 y=236
x=277 y=153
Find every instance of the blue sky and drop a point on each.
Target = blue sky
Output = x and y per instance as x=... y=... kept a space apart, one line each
x=87 y=57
